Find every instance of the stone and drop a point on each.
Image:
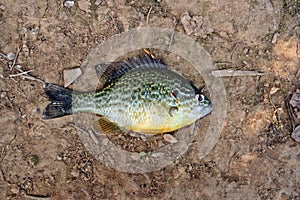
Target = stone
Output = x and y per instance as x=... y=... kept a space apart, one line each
x=275 y=38
x=69 y=4
x=186 y=22
x=70 y=75
x=84 y=5
x=194 y=25
x=10 y=56
x=170 y=138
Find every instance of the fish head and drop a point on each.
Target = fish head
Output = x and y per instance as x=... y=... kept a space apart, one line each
x=201 y=106
x=194 y=107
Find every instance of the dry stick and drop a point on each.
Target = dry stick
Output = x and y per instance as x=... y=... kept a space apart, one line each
x=19 y=74
x=30 y=77
x=36 y=197
x=148 y=15
x=230 y=73
x=16 y=57
x=3 y=55
x=24 y=74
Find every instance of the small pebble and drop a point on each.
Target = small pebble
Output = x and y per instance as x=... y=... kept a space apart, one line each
x=274 y=90
x=58 y=157
x=84 y=5
x=170 y=138
x=2 y=7
x=19 y=66
x=275 y=38
x=97 y=2
x=223 y=34
x=69 y=4
x=10 y=56
x=3 y=94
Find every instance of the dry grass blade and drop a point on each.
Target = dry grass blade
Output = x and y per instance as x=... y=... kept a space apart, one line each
x=231 y=72
x=148 y=15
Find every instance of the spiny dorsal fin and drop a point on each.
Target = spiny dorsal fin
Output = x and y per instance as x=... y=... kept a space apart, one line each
x=108 y=72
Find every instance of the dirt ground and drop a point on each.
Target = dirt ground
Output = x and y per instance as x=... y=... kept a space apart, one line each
x=255 y=157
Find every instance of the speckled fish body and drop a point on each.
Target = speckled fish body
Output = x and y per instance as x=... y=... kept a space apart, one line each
x=147 y=98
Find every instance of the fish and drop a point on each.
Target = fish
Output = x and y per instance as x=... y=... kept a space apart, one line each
x=141 y=94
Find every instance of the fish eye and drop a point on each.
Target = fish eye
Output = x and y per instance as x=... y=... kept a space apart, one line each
x=200 y=97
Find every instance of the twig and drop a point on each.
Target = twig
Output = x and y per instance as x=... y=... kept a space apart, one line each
x=24 y=74
x=19 y=74
x=231 y=72
x=148 y=15
x=30 y=77
x=3 y=55
x=36 y=197
x=16 y=57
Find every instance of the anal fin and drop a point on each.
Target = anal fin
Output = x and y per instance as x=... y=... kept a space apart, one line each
x=104 y=126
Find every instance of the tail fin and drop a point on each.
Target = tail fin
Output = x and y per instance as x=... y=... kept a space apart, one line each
x=61 y=101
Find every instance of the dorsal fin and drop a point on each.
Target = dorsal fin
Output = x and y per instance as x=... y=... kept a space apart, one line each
x=108 y=72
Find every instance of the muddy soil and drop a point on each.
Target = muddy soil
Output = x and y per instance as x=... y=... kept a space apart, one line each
x=255 y=157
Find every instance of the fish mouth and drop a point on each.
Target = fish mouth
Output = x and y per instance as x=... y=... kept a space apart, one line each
x=200 y=111
x=206 y=110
